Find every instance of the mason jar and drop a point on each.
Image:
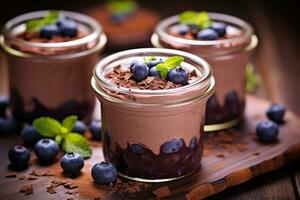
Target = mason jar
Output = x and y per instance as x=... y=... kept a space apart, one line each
x=53 y=78
x=228 y=58
x=139 y=124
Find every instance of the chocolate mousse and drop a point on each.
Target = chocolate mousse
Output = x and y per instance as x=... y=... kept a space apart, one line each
x=126 y=24
x=50 y=56
x=157 y=98
x=226 y=43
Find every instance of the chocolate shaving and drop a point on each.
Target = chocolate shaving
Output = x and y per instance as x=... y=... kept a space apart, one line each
x=32 y=178
x=27 y=189
x=162 y=192
x=39 y=172
x=11 y=175
x=51 y=190
x=71 y=185
x=22 y=177
x=220 y=155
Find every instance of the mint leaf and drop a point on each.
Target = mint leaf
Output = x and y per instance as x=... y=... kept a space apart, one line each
x=252 y=80
x=163 y=70
x=200 y=19
x=77 y=143
x=121 y=7
x=58 y=139
x=35 y=25
x=69 y=122
x=147 y=60
x=173 y=62
x=47 y=126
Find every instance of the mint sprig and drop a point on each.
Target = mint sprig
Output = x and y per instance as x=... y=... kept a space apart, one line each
x=117 y=7
x=252 y=79
x=200 y=19
x=63 y=135
x=168 y=64
x=147 y=60
x=35 y=25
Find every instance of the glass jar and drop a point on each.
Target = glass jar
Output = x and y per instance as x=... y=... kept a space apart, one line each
x=51 y=79
x=153 y=135
x=228 y=58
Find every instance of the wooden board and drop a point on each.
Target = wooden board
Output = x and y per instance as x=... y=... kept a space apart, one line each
x=231 y=158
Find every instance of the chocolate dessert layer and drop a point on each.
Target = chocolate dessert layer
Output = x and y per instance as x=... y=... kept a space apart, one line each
x=135 y=30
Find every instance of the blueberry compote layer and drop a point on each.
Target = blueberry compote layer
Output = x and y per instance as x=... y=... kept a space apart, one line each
x=233 y=108
x=175 y=158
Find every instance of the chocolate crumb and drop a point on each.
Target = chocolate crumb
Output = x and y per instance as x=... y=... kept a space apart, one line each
x=51 y=190
x=11 y=175
x=69 y=199
x=39 y=172
x=220 y=155
x=70 y=185
x=27 y=189
x=32 y=178
x=22 y=177
x=256 y=153
x=71 y=192
x=162 y=192
x=58 y=182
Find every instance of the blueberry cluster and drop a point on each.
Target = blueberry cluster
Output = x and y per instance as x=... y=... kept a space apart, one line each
x=267 y=131
x=7 y=124
x=141 y=70
x=214 y=32
x=64 y=26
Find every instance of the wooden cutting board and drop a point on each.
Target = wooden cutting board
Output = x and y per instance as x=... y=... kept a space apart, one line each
x=230 y=158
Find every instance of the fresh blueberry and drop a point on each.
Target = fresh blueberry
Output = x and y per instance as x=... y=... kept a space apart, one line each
x=104 y=173
x=95 y=128
x=219 y=27
x=119 y=17
x=178 y=76
x=154 y=72
x=72 y=163
x=3 y=105
x=140 y=71
x=207 y=34
x=68 y=28
x=46 y=150
x=136 y=148
x=8 y=125
x=153 y=63
x=172 y=146
x=276 y=113
x=80 y=127
x=267 y=131
x=19 y=156
x=135 y=62
x=183 y=29
x=193 y=143
x=61 y=18
x=49 y=31
x=193 y=28
x=30 y=135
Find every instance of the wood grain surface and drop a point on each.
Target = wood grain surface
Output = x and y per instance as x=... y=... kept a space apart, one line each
x=231 y=158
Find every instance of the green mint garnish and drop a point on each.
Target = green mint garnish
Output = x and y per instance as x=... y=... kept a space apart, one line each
x=116 y=7
x=147 y=60
x=35 y=25
x=200 y=19
x=168 y=64
x=252 y=79
x=63 y=135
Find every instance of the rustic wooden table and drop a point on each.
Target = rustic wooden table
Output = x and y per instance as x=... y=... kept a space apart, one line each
x=277 y=61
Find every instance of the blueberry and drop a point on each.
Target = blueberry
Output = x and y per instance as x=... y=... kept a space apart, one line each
x=207 y=34
x=119 y=17
x=135 y=62
x=136 y=148
x=193 y=143
x=3 y=105
x=19 y=157
x=72 y=163
x=68 y=28
x=30 y=135
x=49 y=31
x=46 y=150
x=8 y=125
x=172 y=146
x=104 y=173
x=61 y=18
x=79 y=127
x=140 y=71
x=219 y=27
x=153 y=63
x=267 y=131
x=178 y=76
x=183 y=29
x=95 y=128
x=154 y=72
x=276 y=113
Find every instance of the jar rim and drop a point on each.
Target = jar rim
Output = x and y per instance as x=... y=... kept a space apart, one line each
x=247 y=30
x=99 y=77
x=94 y=35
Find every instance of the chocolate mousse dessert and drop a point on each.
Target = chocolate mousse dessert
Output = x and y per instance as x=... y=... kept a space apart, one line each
x=126 y=24
x=226 y=43
x=153 y=108
x=50 y=57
